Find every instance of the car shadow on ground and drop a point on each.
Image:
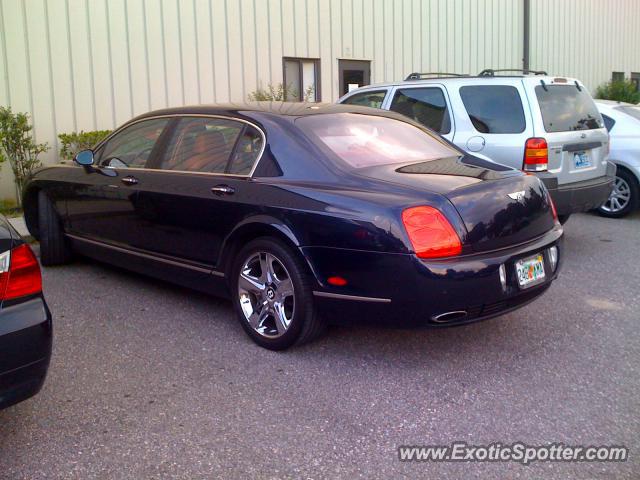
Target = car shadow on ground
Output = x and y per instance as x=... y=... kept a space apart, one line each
x=417 y=346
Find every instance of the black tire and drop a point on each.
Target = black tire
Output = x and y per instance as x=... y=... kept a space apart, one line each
x=54 y=247
x=305 y=324
x=564 y=218
x=634 y=189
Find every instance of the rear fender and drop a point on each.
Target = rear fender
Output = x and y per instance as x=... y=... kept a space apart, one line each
x=255 y=227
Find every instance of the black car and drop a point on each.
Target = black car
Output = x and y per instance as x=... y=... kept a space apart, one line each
x=25 y=320
x=304 y=214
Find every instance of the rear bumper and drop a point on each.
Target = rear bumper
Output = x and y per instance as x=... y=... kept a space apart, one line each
x=580 y=196
x=25 y=350
x=402 y=290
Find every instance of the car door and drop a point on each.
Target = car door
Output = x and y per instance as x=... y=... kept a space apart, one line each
x=426 y=104
x=103 y=203
x=199 y=188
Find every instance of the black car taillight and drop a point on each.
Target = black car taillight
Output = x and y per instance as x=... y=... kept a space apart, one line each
x=19 y=273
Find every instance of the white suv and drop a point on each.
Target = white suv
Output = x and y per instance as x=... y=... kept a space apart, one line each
x=546 y=125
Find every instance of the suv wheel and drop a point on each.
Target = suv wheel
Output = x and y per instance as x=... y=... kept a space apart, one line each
x=272 y=295
x=624 y=196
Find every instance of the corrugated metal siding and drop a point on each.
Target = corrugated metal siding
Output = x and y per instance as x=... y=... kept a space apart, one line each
x=93 y=64
x=586 y=39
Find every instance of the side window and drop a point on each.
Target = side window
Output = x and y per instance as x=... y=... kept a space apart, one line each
x=424 y=105
x=608 y=122
x=132 y=146
x=247 y=151
x=201 y=144
x=494 y=108
x=367 y=99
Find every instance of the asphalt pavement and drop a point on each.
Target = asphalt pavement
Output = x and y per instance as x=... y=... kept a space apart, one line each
x=149 y=380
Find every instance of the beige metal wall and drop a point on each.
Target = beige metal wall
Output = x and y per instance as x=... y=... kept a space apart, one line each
x=93 y=64
x=586 y=39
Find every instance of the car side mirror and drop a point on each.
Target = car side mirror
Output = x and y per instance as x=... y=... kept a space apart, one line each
x=84 y=158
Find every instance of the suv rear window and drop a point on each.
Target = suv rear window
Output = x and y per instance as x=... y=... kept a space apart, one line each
x=368 y=140
x=494 y=108
x=566 y=108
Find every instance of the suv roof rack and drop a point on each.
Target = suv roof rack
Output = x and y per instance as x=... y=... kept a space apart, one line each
x=420 y=76
x=490 y=72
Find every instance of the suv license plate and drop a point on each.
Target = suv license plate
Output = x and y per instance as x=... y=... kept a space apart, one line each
x=530 y=271
x=581 y=160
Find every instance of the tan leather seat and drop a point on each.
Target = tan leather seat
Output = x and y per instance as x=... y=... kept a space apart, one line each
x=201 y=150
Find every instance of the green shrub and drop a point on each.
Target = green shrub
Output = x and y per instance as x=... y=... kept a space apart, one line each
x=280 y=93
x=72 y=143
x=621 y=91
x=17 y=145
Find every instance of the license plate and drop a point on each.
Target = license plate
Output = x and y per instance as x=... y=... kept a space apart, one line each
x=581 y=160
x=530 y=271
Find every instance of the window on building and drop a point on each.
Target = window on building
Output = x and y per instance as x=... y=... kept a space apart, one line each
x=617 y=76
x=302 y=79
x=494 y=108
x=635 y=78
x=372 y=99
x=424 y=105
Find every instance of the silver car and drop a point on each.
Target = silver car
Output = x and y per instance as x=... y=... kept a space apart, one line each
x=623 y=122
x=546 y=125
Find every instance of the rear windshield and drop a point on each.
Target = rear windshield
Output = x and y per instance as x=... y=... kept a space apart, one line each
x=566 y=108
x=369 y=140
x=633 y=111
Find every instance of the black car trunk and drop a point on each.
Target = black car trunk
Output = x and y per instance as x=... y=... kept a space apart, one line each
x=499 y=206
x=503 y=212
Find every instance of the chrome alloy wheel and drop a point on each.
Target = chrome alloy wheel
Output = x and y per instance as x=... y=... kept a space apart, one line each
x=619 y=198
x=266 y=294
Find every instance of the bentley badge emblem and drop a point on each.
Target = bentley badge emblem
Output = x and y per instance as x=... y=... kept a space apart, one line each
x=517 y=196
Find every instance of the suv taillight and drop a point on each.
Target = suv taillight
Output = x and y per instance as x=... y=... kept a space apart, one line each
x=431 y=234
x=536 y=155
x=19 y=273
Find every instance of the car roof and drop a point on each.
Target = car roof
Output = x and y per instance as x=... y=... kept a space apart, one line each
x=468 y=79
x=287 y=109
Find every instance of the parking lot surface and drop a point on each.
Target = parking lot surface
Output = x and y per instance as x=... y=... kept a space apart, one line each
x=149 y=380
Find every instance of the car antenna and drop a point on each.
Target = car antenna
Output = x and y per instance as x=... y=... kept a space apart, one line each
x=544 y=85
x=578 y=86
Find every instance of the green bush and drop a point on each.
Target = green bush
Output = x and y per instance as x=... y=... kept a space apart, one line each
x=72 y=143
x=279 y=93
x=621 y=91
x=17 y=145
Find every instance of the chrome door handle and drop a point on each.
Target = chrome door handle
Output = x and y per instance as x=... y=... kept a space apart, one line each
x=129 y=180
x=223 y=190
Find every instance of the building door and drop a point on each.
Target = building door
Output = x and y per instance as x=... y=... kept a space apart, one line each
x=353 y=74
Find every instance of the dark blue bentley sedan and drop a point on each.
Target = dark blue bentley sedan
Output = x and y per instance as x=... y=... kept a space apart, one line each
x=304 y=214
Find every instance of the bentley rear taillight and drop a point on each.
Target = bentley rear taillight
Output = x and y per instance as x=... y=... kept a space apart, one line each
x=431 y=234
